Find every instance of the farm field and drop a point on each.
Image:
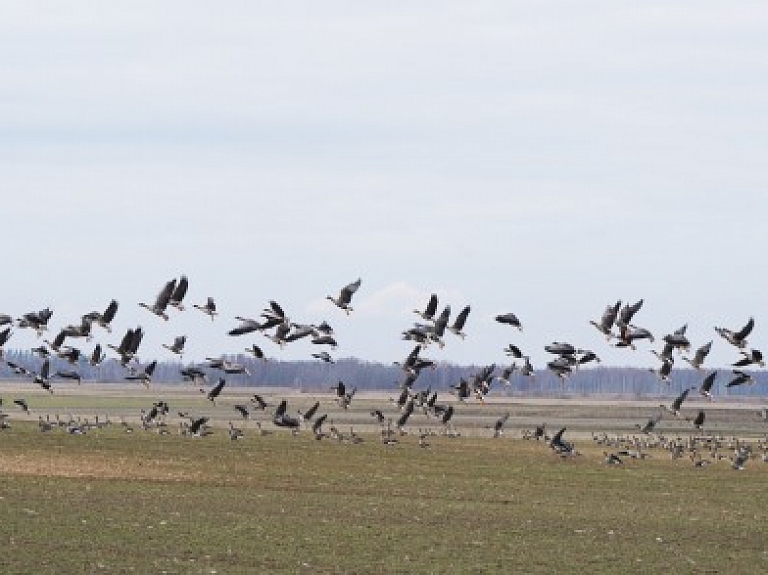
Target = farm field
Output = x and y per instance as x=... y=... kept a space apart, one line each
x=115 y=502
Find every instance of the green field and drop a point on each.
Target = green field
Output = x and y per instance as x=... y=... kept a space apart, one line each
x=116 y=502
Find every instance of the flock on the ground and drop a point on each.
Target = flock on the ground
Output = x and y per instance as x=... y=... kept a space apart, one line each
x=615 y=324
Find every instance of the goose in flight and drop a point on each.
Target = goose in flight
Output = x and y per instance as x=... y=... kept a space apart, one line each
x=628 y=312
x=737 y=338
x=664 y=371
x=69 y=374
x=458 y=323
x=706 y=386
x=753 y=357
x=345 y=296
x=498 y=426
x=700 y=355
x=698 y=421
x=325 y=340
x=228 y=367
x=247 y=325
x=4 y=337
x=177 y=346
x=678 y=402
x=605 y=325
x=429 y=312
x=324 y=356
x=513 y=351
x=310 y=413
x=36 y=320
x=628 y=334
x=215 y=391
x=42 y=377
x=438 y=329
x=256 y=352
x=129 y=345
x=208 y=308
x=650 y=425
x=509 y=319
x=259 y=402
x=740 y=378
x=161 y=301
x=104 y=320
x=178 y=293
x=144 y=376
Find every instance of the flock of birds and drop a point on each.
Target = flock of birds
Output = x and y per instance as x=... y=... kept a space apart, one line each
x=616 y=324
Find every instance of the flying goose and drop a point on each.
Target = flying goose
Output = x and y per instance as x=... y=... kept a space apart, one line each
x=605 y=325
x=701 y=354
x=178 y=293
x=345 y=296
x=177 y=346
x=429 y=312
x=208 y=308
x=509 y=319
x=706 y=386
x=458 y=323
x=737 y=338
x=754 y=356
x=161 y=301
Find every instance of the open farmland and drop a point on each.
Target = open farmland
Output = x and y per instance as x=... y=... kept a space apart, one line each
x=115 y=502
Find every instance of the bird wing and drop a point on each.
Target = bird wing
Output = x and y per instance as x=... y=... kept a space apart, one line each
x=706 y=385
x=109 y=313
x=347 y=291
x=431 y=306
x=180 y=290
x=746 y=330
x=461 y=319
x=165 y=295
x=703 y=351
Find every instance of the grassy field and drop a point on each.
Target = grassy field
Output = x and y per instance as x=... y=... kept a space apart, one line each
x=113 y=502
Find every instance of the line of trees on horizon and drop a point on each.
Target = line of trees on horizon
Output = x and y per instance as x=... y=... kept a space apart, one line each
x=313 y=375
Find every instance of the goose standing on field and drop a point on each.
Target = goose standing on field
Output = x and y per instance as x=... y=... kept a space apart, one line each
x=208 y=308
x=345 y=296
x=429 y=312
x=161 y=302
x=737 y=338
x=178 y=293
x=700 y=355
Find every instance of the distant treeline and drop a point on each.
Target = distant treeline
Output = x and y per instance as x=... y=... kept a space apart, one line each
x=318 y=376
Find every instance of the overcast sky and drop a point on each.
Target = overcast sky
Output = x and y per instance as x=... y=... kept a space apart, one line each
x=544 y=158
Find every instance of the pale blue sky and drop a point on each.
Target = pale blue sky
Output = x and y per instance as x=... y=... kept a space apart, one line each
x=544 y=158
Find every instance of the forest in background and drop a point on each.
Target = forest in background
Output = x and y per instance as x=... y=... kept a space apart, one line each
x=314 y=375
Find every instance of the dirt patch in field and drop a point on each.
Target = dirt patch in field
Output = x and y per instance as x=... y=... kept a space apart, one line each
x=88 y=466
